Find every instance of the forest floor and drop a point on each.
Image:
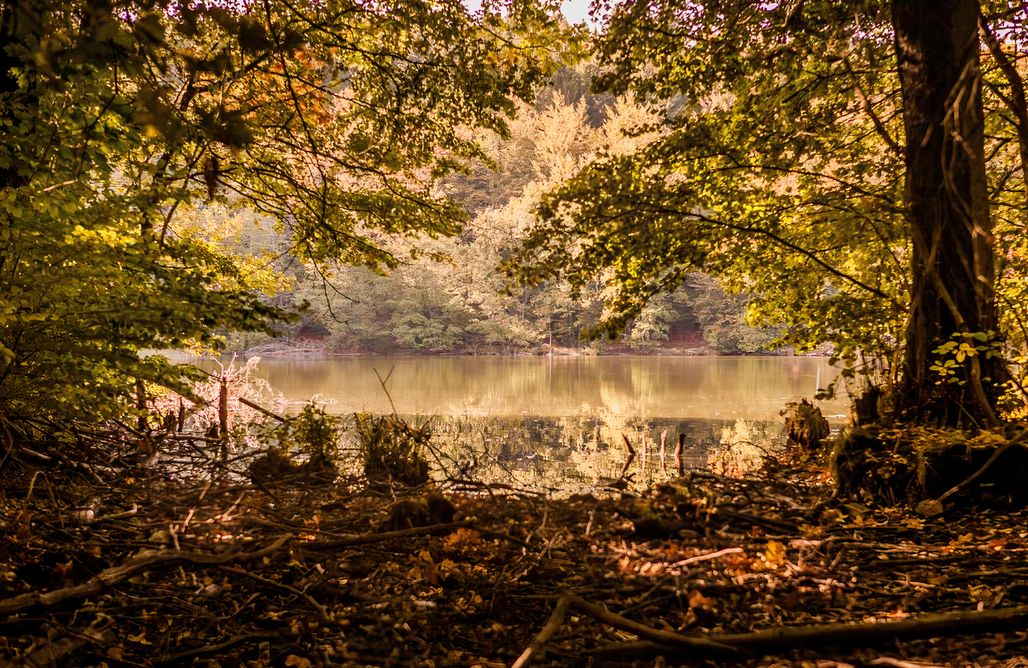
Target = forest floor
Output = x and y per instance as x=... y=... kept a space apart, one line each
x=108 y=562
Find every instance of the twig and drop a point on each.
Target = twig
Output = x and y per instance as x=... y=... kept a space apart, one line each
x=707 y=557
x=320 y=609
x=900 y=663
x=756 y=520
x=382 y=382
x=554 y=623
x=118 y=516
x=628 y=445
x=52 y=653
x=216 y=649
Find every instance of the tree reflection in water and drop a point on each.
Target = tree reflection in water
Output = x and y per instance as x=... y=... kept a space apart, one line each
x=585 y=454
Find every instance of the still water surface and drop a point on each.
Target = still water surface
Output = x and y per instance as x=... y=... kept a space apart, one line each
x=711 y=388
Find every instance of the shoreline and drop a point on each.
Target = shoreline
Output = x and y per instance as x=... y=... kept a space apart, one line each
x=303 y=350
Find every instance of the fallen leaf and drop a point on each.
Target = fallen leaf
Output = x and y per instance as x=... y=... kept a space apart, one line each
x=774 y=555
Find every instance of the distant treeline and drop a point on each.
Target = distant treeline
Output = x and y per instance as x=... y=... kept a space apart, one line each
x=448 y=295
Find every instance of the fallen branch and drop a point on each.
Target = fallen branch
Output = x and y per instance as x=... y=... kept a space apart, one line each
x=694 y=645
x=115 y=574
x=555 y=621
x=52 y=653
x=218 y=648
x=900 y=663
x=828 y=635
x=756 y=520
x=261 y=409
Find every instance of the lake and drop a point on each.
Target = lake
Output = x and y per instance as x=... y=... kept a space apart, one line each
x=559 y=423
x=719 y=388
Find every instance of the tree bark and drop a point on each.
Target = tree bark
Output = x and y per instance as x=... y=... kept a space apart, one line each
x=952 y=283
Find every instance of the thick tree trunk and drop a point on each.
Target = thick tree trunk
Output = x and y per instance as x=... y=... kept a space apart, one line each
x=952 y=294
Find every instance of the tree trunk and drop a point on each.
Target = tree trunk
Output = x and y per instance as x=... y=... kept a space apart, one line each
x=952 y=293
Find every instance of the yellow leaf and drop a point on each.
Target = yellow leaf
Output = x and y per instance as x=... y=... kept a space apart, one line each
x=774 y=555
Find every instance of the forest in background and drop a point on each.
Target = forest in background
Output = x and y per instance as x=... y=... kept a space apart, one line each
x=448 y=294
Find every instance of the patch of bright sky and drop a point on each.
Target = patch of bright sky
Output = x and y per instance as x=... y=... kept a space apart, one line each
x=575 y=11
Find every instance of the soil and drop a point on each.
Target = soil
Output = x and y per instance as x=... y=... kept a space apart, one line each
x=108 y=558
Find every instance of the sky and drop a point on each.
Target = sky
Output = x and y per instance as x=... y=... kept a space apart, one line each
x=576 y=11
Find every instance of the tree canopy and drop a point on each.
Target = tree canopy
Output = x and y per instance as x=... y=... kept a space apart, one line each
x=335 y=119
